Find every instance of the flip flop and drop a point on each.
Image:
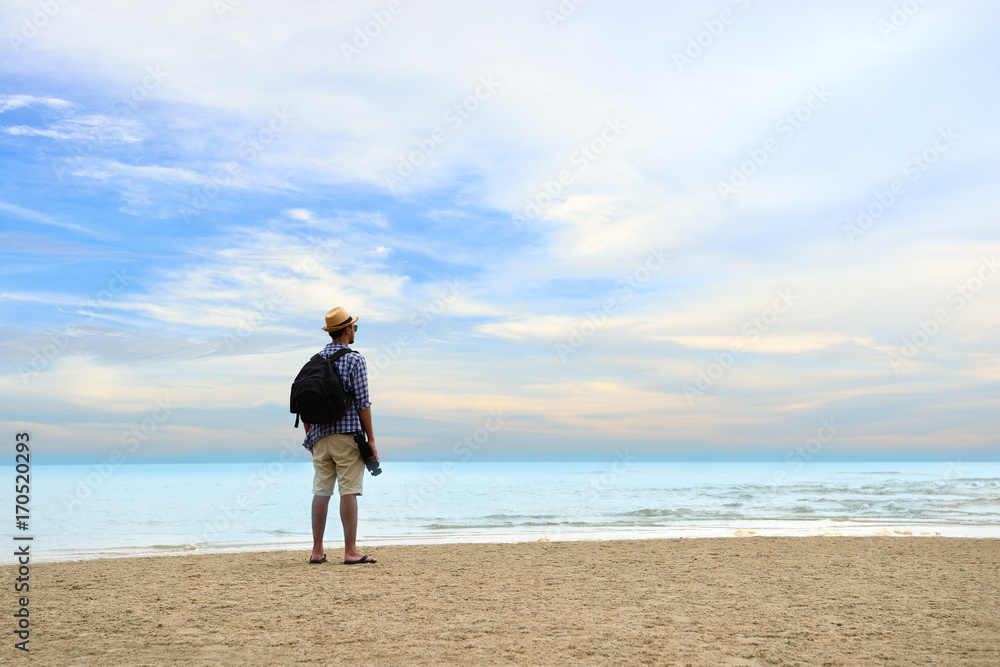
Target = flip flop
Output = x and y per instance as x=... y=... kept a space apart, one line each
x=364 y=559
x=317 y=562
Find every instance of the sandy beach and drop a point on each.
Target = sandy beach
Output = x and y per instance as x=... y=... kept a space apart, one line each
x=735 y=601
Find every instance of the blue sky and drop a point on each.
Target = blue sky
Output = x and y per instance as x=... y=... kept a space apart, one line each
x=687 y=229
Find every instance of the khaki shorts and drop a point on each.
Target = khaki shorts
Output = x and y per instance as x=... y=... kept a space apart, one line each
x=336 y=457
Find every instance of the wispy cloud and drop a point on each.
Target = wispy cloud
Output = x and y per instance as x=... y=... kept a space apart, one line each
x=112 y=169
x=104 y=129
x=34 y=216
x=11 y=102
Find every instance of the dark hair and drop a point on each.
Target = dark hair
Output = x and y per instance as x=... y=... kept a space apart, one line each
x=334 y=335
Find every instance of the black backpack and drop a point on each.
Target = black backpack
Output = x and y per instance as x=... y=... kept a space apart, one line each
x=317 y=395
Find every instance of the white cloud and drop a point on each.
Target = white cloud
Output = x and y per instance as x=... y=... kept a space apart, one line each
x=264 y=277
x=107 y=169
x=11 y=102
x=94 y=129
x=684 y=129
x=34 y=216
x=300 y=214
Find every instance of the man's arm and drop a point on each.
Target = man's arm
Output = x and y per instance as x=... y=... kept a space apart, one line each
x=366 y=424
x=360 y=387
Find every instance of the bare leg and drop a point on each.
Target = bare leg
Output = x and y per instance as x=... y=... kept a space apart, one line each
x=319 y=510
x=349 y=517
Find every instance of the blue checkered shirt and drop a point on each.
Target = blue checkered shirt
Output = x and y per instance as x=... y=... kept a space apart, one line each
x=353 y=372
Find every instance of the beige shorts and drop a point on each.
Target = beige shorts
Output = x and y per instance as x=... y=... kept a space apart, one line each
x=336 y=458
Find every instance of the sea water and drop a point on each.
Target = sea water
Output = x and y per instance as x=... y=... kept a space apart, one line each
x=79 y=512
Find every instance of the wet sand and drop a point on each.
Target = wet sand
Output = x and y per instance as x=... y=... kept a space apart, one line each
x=730 y=601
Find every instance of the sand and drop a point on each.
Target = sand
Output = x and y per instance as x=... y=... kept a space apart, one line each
x=733 y=601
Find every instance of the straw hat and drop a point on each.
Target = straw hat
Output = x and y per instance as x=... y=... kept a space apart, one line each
x=338 y=318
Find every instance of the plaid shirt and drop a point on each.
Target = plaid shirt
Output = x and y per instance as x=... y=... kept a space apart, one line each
x=353 y=372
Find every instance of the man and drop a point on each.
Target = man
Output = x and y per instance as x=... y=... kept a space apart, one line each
x=335 y=453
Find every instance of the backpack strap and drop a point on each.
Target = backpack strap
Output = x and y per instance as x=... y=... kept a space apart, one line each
x=338 y=354
x=333 y=357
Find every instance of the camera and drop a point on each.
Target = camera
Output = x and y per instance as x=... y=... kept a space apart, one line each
x=366 y=453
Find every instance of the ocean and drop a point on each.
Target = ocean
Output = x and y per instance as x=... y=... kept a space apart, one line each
x=91 y=511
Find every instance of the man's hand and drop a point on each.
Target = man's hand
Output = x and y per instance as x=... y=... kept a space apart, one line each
x=366 y=425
